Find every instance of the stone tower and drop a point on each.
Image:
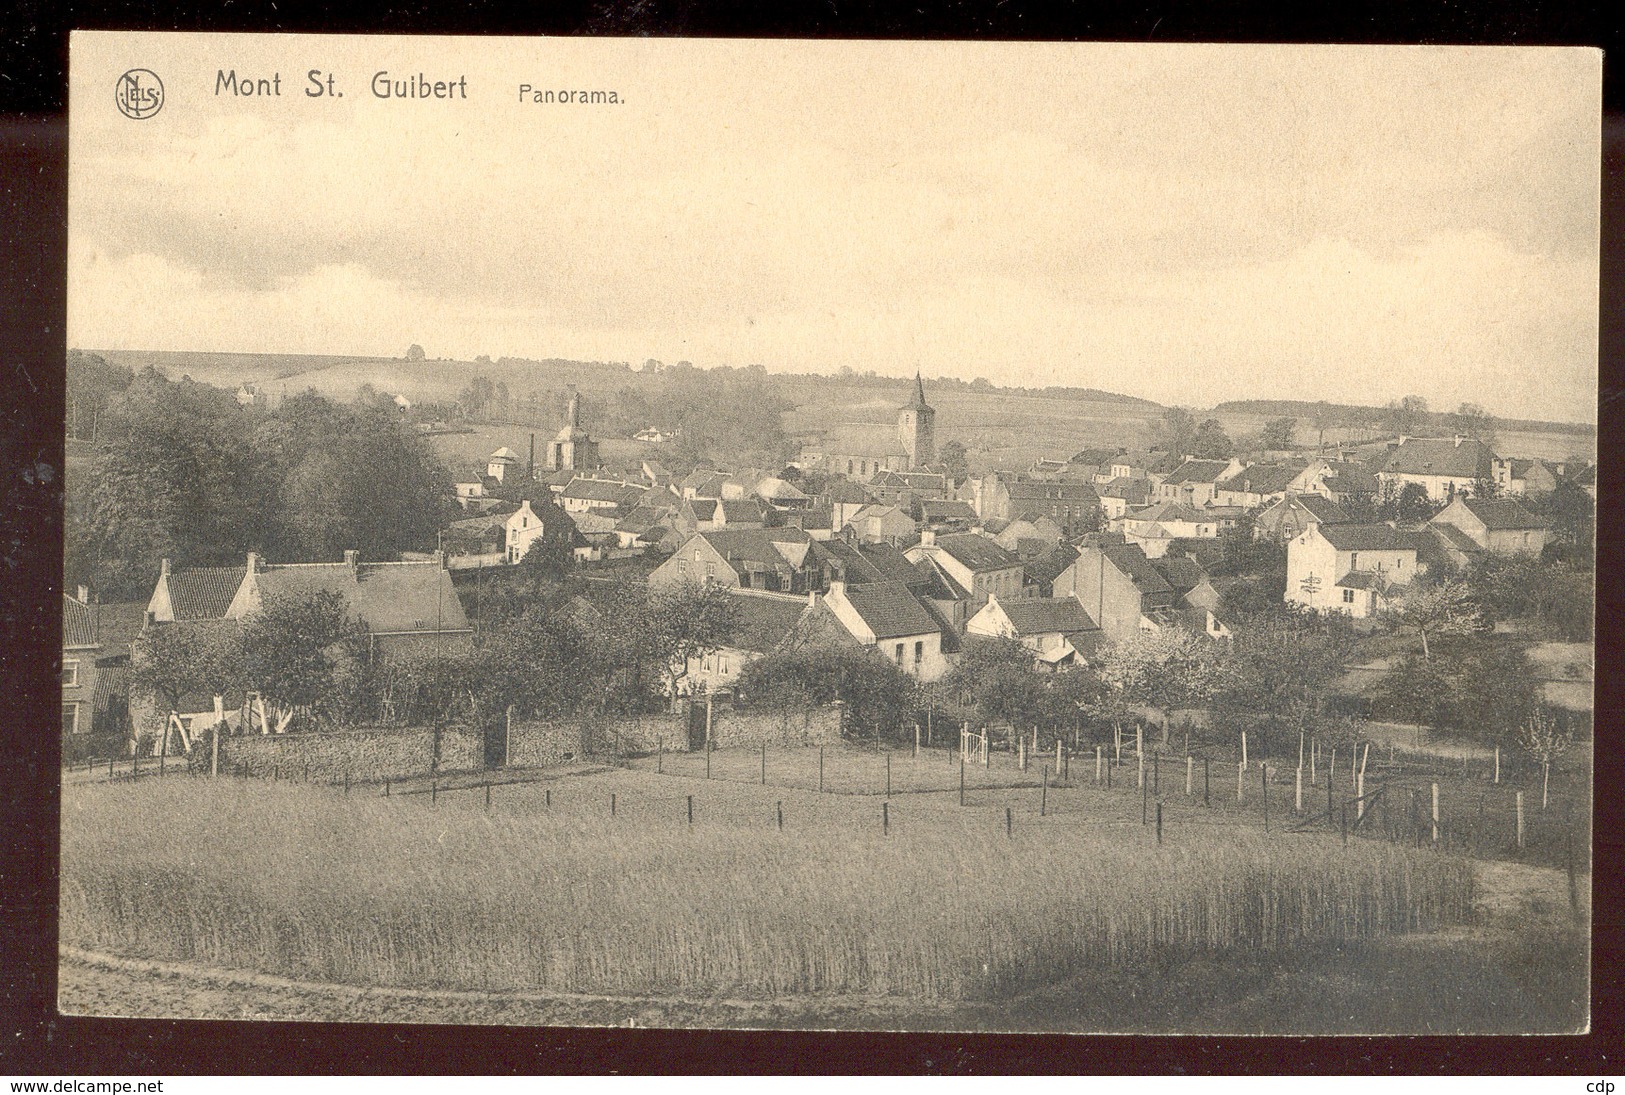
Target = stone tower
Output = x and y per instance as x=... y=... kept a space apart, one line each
x=572 y=448
x=917 y=428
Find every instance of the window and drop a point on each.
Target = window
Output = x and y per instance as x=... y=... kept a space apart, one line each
x=899 y=654
x=70 y=718
x=919 y=652
x=1354 y=560
x=710 y=570
x=70 y=674
x=1348 y=596
x=682 y=568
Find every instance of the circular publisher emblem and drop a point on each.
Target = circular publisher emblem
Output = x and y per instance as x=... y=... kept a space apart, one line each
x=139 y=94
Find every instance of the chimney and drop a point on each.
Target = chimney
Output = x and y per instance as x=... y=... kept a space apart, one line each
x=253 y=562
x=813 y=597
x=837 y=587
x=928 y=537
x=352 y=559
x=163 y=568
x=82 y=595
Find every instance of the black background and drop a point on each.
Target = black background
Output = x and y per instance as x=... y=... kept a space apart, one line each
x=33 y=203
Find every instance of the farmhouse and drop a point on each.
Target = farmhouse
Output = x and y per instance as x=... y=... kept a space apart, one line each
x=1443 y=466
x=1157 y=526
x=96 y=642
x=1347 y=568
x=1056 y=629
x=1119 y=588
x=402 y=606
x=193 y=593
x=972 y=563
x=888 y=617
x=1292 y=515
x=1196 y=482
x=1499 y=526
x=1519 y=477
x=880 y=523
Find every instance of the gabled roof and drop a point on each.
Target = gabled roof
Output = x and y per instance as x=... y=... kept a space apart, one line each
x=384 y=596
x=1052 y=490
x=779 y=490
x=947 y=509
x=1198 y=471
x=204 y=593
x=1098 y=457
x=1129 y=559
x=936 y=583
x=761 y=624
x=1322 y=509
x=704 y=509
x=976 y=551
x=1464 y=458
x=740 y=510
x=877 y=511
x=889 y=563
x=1048 y=565
x=118 y=623
x=1042 y=615
x=748 y=549
x=1350 y=477
x=1360 y=579
x=504 y=455
x=890 y=610
x=604 y=490
x=1455 y=538
x=846 y=492
x=641 y=519
x=1369 y=538
x=1264 y=478
x=1166 y=511
x=1182 y=573
x=1502 y=514
x=78 y=623
x=1133 y=491
x=813 y=517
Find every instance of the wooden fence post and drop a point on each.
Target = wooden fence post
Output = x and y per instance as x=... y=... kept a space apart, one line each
x=1159 y=823
x=488 y=798
x=1297 y=792
x=1009 y=823
x=885 y=819
x=820 y=769
x=1545 y=782
x=1244 y=750
x=916 y=739
x=660 y=755
x=611 y=799
x=1264 y=781
x=1156 y=773
x=764 y=763
x=1520 y=819
x=547 y=799
x=1435 y=813
x=1099 y=762
x=1190 y=775
x=961 y=780
x=781 y=815
x=888 y=775
x=1497 y=764
x=434 y=788
x=1314 y=754
x=1145 y=796
x=1139 y=769
x=1207 y=782
x=1021 y=752
x=1359 y=794
x=708 y=752
x=1057 y=752
x=1241 y=772
x=1043 y=799
x=691 y=809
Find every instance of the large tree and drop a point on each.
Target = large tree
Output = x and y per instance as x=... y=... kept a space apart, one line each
x=879 y=697
x=292 y=648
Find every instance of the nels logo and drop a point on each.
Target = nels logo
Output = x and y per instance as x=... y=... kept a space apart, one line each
x=139 y=93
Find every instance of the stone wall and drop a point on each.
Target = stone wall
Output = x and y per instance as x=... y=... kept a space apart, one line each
x=362 y=756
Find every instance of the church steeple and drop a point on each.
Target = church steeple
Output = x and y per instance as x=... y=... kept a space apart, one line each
x=916 y=427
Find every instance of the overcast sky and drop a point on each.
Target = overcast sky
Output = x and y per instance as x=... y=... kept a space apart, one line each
x=1188 y=224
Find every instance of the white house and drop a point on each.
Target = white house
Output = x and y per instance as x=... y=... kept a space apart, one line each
x=523 y=529
x=1056 y=629
x=501 y=464
x=1346 y=568
x=888 y=617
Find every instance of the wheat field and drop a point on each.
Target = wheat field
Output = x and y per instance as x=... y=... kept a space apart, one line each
x=301 y=881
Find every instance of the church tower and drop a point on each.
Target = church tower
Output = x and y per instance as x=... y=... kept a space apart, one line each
x=917 y=428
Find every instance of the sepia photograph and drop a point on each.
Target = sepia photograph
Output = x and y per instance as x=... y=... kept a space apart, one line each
x=830 y=535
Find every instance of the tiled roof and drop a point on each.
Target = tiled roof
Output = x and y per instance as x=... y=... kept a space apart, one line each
x=759 y=547
x=1182 y=573
x=890 y=610
x=1322 y=509
x=604 y=490
x=1502 y=514
x=1468 y=459
x=1369 y=538
x=889 y=563
x=813 y=517
x=977 y=552
x=760 y=624
x=1132 y=561
x=1198 y=471
x=740 y=510
x=119 y=623
x=78 y=623
x=947 y=510
x=846 y=492
x=1133 y=491
x=1360 y=579
x=937 y=583
x=1098 y=457
x=1165 y=511
x=1041 y=615
x=1048 y=566
x=204 y=593
x=704 y=509
x=1052 y=491
x=384 y=596
x=1455 y=538
x=1263 y=478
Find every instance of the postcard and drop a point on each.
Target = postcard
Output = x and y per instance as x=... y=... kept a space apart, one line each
x=969 y=536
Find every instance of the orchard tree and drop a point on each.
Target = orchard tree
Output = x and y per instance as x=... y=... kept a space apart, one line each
x=1433 y=610
x=169 y=661
x=292 y=648
x=1162 y=670
x=879 y=697
x=1278 y=433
